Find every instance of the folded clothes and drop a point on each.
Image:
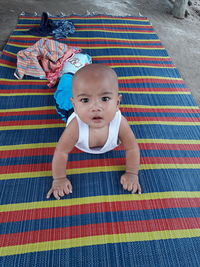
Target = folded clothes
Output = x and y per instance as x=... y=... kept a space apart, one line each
x=44 y=60
x=56 y=28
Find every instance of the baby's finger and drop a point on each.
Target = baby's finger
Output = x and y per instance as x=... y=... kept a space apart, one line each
x=135 y=188
x=122 y=180
x=130 y=187
x=61 y=193
x=125 y=185
x=66 y=190
x=56 y=195
x=49 y=193
x=69 y=187
x=139 y=189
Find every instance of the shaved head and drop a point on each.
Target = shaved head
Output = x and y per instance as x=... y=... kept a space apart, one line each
x=95 y=73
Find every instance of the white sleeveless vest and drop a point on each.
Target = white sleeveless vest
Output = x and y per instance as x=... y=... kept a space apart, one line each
x=83 y=140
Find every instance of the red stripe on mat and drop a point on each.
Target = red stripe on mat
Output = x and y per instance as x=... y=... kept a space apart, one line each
x=99 y=229
x=160 y=110
x=177 y=119
x=55 y=212
x=29 y=91
x=157 y=146
x=115 y=30
x=71 y=39
x=100 y=45
x=34 y=112
x=135 y=110
x=30 y=122
x=143 y=80
x=49 y=151
x=27 y=152
x=153 y=89
x=8 y=54
x=23 y=82
x=3 y=61
x=125 y=89
x=100 y=163
x=132 y=119
x=132 y=58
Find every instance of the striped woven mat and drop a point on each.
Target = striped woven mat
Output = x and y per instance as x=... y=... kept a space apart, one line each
x=100 y=224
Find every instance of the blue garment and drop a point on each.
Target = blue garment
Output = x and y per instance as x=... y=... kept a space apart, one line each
x=62 y=96
x=62 y=29
x=57 y=29
x=64 y=90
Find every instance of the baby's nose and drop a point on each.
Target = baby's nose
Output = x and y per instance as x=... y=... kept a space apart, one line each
x=96 y=106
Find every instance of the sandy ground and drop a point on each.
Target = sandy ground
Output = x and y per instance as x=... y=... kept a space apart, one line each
x=181 y=37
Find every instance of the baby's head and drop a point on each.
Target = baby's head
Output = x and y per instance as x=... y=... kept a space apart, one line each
x=95 y=94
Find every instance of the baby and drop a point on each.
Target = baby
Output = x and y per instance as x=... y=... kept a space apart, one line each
x=96 y=126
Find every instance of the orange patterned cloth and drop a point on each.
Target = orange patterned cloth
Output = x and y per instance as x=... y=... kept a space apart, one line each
x=44 y=60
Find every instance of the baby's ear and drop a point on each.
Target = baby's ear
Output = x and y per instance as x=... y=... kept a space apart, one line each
x=119 y=99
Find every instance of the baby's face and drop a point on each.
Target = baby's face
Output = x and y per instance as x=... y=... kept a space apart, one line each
x=96 y=101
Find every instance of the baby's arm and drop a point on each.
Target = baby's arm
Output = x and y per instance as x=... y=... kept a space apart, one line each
x=129 y=179
x=61 y=184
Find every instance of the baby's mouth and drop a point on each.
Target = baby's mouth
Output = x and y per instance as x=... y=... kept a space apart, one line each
x=97 y=118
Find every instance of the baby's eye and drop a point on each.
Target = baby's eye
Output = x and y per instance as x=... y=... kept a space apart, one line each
x=105 y=98
x=84 y=100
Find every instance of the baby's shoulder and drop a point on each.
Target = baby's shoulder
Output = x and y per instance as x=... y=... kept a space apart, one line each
x=72 y=125
x=123 y=121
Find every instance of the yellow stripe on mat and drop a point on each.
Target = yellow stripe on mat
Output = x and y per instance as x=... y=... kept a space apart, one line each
x=149 y=77
x=28 y=127
x=119 y=78
x=121 y=105
x=181 y=123
x=156 y=92
x=15 y=81
x=27 y=146
x=24 y=94
x=121 y=92
x=101 y=47
x=99 y=240
x=62 y=125
x=164 y=66
x=98 y=199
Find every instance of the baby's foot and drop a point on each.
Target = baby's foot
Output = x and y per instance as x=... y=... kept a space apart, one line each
x=130 y=182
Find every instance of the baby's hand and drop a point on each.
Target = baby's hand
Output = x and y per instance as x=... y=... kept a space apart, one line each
x=60 y=187
x=130 y=182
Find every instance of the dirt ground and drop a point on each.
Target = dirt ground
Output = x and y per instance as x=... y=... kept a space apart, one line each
x=181 y=37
